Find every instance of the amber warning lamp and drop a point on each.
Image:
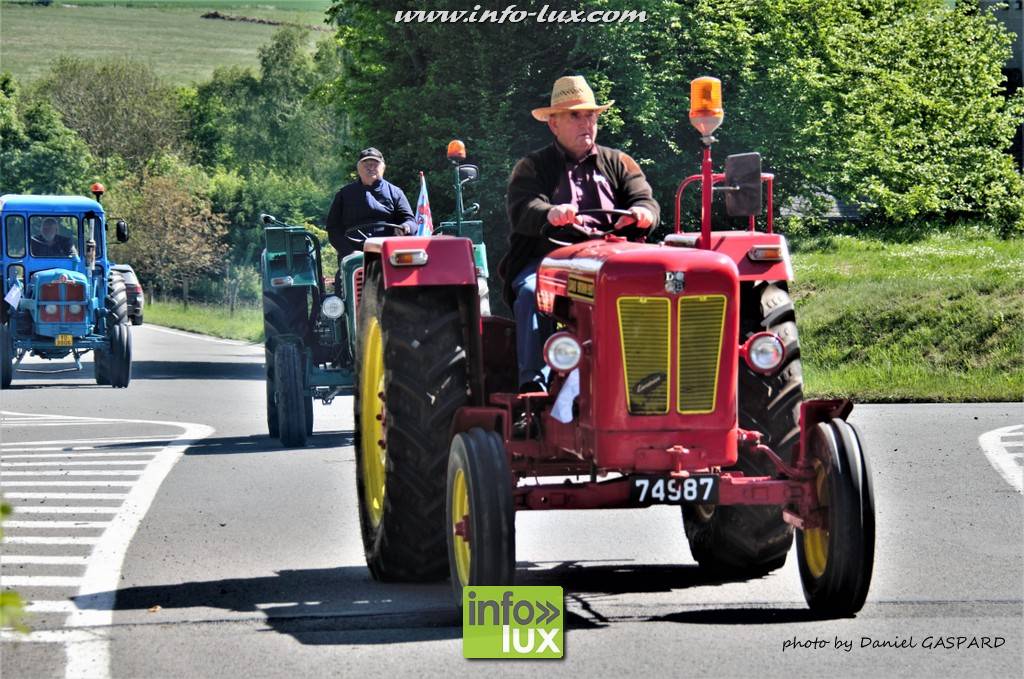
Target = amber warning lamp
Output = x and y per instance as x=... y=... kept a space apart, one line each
x=706 y=112
x=456 y=150
x=98 y=190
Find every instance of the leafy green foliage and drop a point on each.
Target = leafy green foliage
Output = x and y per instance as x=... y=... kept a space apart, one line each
x=894 y=104
x=120 y=108
x=37 y=152
x=12 y=608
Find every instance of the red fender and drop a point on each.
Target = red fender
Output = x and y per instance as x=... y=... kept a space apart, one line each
x=448 y=260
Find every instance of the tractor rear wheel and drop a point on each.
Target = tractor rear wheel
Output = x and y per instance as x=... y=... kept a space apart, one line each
x=753 y=539
x=412 y=377
x=285 y=312
x=290 y=394
x=480 y=514
x=836 y=561
x=6 y=357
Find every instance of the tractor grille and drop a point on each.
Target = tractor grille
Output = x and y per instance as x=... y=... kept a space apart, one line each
x=357 y=288
x=645 y=330
x=701 y=323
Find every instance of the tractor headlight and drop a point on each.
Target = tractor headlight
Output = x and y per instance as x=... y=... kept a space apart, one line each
x=764 y=352
x=332 y=307
x=50 y=309
x=75 y=309
x=562 y=352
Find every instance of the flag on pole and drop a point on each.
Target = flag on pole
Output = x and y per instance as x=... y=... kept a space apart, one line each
x=424 y=221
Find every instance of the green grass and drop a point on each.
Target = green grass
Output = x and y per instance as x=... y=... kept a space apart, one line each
x=937 y=320
x=171 y=36
x=245 y=324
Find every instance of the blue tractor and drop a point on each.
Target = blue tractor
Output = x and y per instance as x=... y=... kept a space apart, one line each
x=61 y=295
x=310 y=330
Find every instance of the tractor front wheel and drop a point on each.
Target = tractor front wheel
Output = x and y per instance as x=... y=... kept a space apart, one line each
x=480 y=514
x=273 y=427
x=290 y=394
x=412 y=377
x=119 y=363
x=6 y=357
x=836 y=560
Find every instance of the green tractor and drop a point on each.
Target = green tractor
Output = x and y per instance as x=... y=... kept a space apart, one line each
x=309 y=330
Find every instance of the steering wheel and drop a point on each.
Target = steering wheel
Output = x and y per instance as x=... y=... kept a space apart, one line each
x=577 y=233
x=359 y=234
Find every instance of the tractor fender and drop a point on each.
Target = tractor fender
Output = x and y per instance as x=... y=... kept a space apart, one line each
x=737 y=246
x=449 y=260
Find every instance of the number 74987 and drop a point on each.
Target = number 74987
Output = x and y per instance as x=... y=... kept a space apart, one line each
x=671 y=490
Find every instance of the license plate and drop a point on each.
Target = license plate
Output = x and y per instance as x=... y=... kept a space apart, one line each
x=64 y=341
x=666 y=490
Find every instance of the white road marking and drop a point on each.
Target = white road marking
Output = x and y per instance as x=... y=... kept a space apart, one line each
x=94 y=484
x=61 y=636
x=74 y=452
x=1010 y=465
x=45 y=560
x=47 y=606
x=40 y=581
x=74 y=456
x=108 y=439
x=34 y=423
x=36 y=540
x=36 y=509
x=88 y=650
x=97 y=472
x=76 y=463
x=204 y=338
x=65 y=496
x=43 y=523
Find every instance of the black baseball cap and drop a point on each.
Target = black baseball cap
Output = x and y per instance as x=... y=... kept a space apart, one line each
x=370 y=153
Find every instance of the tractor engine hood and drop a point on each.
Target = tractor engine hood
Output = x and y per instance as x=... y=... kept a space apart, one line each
x=60 y=302
x=581 y=271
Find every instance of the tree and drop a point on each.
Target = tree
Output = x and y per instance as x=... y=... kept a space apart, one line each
x=119 y=107
x=240 y=120
x=38 y=153
x=895 y=104
x=176 y=237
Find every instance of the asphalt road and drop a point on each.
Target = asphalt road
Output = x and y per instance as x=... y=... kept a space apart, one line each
x=242 y=559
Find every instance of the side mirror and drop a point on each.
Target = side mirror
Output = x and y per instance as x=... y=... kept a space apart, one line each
x=468 y=173
x=743 y=185
x=121 y=229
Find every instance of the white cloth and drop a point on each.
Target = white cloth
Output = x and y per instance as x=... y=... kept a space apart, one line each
x=14 y=296
x=562 y=410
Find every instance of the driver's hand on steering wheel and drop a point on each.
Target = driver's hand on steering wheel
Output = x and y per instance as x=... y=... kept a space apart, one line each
x=562 y=215
x=642 y=218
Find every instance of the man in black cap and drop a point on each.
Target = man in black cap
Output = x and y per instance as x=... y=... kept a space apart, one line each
x=371 y=199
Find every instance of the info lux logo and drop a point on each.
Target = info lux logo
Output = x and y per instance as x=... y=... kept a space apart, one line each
x=513 y=622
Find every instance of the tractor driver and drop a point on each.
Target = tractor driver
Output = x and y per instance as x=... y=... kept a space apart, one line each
x=370 y=199
x=48 y=243
x=550 y=186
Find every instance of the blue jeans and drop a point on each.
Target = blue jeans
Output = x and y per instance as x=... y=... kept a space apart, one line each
x=532 y=328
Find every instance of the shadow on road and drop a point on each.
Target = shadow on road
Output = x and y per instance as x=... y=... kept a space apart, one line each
x=235 y=445
x=197 y=370
x=346 y=606
x=64 y=372
x=315 y=606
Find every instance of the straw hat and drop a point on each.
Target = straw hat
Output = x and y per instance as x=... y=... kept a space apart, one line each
x=570 y=93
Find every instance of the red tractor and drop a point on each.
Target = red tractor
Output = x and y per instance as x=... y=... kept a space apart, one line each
x=677 y=380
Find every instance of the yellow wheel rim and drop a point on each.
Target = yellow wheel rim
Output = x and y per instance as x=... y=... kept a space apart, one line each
x=816 y=539
x=460 y=514
x=374 y=452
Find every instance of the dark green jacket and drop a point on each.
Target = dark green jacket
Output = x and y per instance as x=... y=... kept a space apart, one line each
x=533 y=181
